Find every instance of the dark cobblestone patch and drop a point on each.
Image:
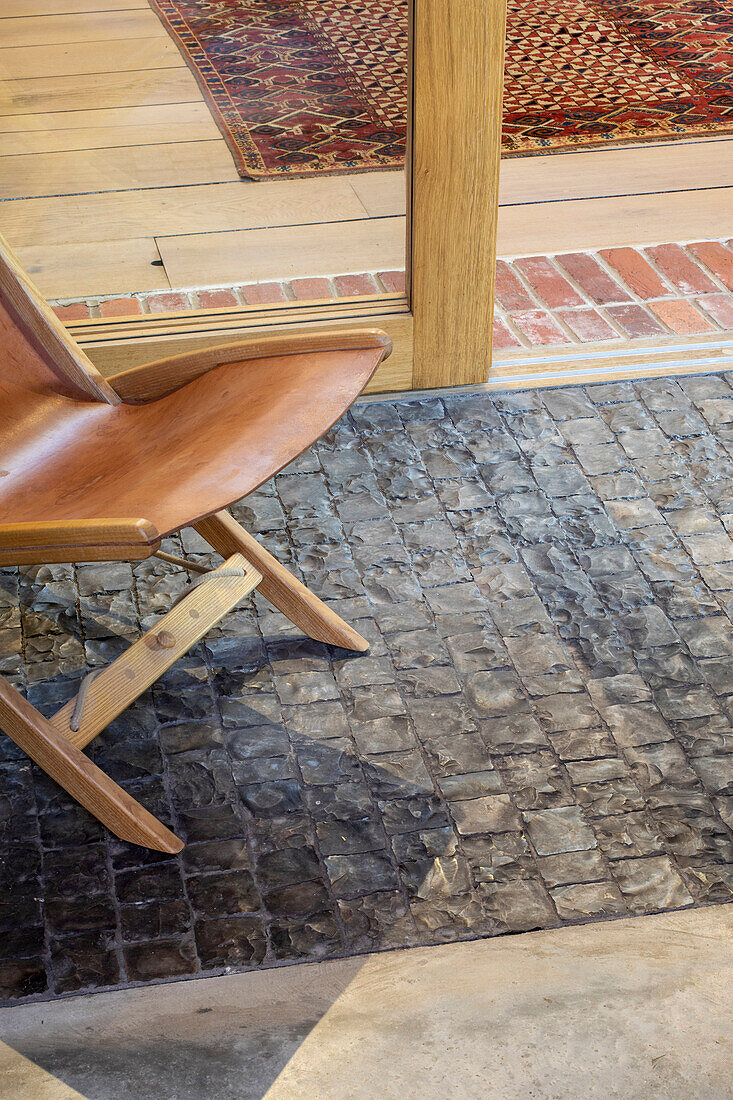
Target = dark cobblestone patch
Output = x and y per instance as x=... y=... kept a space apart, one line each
x=541 y=733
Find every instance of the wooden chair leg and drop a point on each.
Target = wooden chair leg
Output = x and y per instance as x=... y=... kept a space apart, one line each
x=55 y=744
x=117 y=686
x=279 y=586
x=76 y=773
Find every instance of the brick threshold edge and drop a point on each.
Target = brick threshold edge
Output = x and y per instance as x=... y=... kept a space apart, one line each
x=559 y=300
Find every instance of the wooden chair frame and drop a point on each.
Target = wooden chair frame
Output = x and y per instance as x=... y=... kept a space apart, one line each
x=56 y=743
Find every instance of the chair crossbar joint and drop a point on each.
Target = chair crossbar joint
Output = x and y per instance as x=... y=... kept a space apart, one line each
x=106 y=693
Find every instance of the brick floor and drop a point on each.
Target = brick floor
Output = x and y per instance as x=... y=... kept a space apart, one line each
x=217 y=299
x=636 y=272
x=635 y=321
x=541 y=301
x=681 y=269
x=682 y=316
x=597 y=285
x=547 y=282
x=540 y=734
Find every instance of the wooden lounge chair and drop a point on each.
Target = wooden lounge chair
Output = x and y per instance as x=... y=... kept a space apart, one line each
x=95 y=469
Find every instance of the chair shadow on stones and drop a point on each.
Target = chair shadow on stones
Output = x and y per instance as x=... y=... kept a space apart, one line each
x=331 y=838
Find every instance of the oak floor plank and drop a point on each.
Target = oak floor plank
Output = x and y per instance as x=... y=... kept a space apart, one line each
x=102 y=137
x=137 y=138
x=18 y=8
x=76 y=270
x=382 y=193
x=622 y=171
x=116 y=169
x=139 y=88
x=215 y=258
x=230 y=206
x=92 y=26
x=611 y=222
x=116 y=120
x=370 y=244
x=79 y=58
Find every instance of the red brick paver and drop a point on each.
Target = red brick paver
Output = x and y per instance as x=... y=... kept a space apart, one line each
x=596 y=283
x=77 y=311
x=636 y=272
x=509 y=291
x=311 y=289
x=719 y=307
x=682 y=271
x=165 y=303
x=392 y=281
x=263 y=294
x=351 y=286
x=217 y=299
x=636 y=321
x=540 y=328
x=503 y=336
x=588 y=325
x=546 y=280
x=123 y=307
x=717 y=258
x=682 y=317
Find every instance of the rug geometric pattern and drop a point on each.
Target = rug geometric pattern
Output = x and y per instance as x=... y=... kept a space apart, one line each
x=304 y=86
x=298 y=88
x=320 y=85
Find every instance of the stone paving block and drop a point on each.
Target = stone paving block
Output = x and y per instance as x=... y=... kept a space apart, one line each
x=566 y=404
x=456 y=788
x=578 y=902
x=519 y=905
x=583 y=744
x=596 y=771
x=564 y=868
x=716 y=773
x=360 y=873
x=651 y=884
x=575 y=711
x=451 y=919
x=546 y=583
x=559 y=830
x=449 y=754
x=479 y=651
x=492 y=814
x=377 y=920
x=626 y=416
x=709 y=549
x=499 y=858
x=315 y=937
x=489 y=694
x=602 y=458
x=612 y=796
x=518 y=733
x=536 y=780
x=630 y=834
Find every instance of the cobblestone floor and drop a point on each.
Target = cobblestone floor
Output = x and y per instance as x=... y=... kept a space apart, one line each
x=541 y=732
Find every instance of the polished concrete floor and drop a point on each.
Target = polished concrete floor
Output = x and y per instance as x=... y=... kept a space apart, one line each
x=629 y=1010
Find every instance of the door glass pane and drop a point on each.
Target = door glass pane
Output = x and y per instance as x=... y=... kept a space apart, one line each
x=182 y=154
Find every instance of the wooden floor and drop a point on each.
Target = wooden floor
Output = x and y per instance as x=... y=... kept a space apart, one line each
x=114 y=176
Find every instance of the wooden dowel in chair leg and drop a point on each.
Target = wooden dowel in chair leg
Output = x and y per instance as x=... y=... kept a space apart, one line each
x=279 y=586
x=76 y=773
x=118 y=685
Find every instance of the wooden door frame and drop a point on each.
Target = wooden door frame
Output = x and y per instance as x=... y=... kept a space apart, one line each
x=442 y=326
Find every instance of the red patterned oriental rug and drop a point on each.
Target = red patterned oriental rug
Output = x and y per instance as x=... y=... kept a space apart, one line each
x=305 y=86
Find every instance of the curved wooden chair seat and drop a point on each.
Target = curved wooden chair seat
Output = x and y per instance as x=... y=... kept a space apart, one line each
x=102 y=469
x=177 y=458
